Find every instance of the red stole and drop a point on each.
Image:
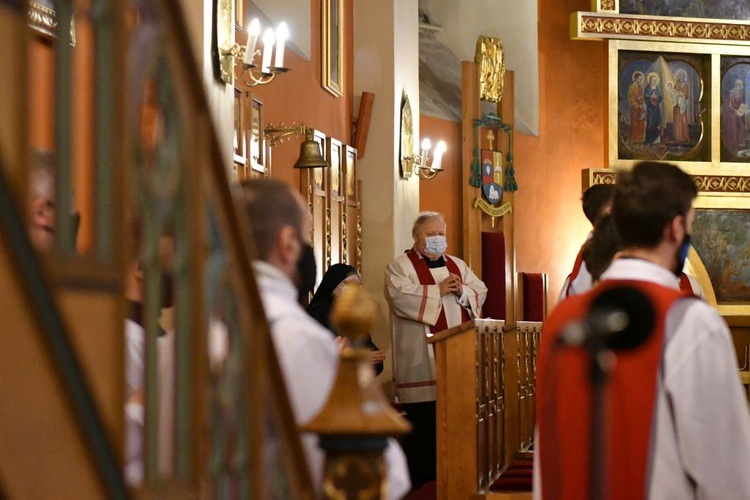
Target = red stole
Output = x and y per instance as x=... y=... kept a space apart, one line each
x=426 y=278
x=564 y=404
x=576 y=270
x=685 y=285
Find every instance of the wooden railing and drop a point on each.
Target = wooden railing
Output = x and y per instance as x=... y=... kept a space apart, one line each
x=486 y=379
x=232 y=426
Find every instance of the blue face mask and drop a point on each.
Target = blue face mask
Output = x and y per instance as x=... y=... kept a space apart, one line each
x=682 y=255
x=435 y=245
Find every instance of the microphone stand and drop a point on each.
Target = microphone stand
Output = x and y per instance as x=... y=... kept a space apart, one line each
x=601 y=362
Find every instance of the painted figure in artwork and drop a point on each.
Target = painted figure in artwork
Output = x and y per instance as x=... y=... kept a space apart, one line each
x=653 y=97
x=637 y=109
x=733 y=129
x=681 y=93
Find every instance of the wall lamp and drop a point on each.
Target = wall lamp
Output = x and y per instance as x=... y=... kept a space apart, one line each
x=419 y=163
x=310 y=155
x=271 y=57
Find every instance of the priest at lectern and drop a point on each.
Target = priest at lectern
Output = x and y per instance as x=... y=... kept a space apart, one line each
x=428 y=291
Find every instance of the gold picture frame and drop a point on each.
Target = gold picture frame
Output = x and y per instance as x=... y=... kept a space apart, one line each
x=707 y=96
x=332 y=49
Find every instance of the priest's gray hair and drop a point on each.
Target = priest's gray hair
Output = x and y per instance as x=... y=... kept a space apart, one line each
x=424 y=217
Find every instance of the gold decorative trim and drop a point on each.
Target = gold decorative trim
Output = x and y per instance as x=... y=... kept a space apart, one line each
x=489 y=55
x=607 y=6
x=728 y=184
x=592 y=25
x=722 y=183
x=42 y=18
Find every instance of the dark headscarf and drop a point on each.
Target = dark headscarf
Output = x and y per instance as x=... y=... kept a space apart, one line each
x=322 y=302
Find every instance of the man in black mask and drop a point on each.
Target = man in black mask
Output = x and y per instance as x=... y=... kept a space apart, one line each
x=674 y=406
x=284 y=268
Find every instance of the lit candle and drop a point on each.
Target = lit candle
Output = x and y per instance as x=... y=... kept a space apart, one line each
x=268 y=40
x=282 y=34
x=252 y=38
x=437 y=161
x=426 y=145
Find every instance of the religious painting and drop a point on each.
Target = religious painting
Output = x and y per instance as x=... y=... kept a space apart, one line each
x=735 y=79
x=712 y=9
x=332 y=46
x=721 y=237
x=661 y=106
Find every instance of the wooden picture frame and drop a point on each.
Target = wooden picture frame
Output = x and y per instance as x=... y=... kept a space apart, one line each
x=332 y=56
x=256 y=137
x=240 y=130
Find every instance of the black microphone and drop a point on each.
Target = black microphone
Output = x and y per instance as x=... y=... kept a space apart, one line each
x=620 y=318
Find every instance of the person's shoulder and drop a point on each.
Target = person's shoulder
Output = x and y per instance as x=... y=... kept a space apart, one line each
x=698 y=315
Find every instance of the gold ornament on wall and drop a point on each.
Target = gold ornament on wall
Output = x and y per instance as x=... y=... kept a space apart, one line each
x=491 y=60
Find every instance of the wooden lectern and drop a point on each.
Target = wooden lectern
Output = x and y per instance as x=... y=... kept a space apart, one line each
x=470 y=407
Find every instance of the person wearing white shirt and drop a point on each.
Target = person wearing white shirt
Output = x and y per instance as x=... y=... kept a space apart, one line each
x=677 y=418
x=307 y=352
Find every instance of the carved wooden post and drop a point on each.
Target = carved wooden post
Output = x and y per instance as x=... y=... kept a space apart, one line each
x=357 y=419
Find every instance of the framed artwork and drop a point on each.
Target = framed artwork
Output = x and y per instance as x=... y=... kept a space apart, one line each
x=239 y=137
x=319 y=180
x=335 y=159
x=350 y=173
x=256 y=141
x=661 y=105
x=239 y=14
x=332 y=57
x=682 y=103
x=735 y=79
x=721 y=257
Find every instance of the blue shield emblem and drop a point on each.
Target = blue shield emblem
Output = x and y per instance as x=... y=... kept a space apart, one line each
x=492 y=173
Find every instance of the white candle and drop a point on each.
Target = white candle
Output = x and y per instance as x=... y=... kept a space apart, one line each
x=252 y=38
x=437 y=161
x=282 y=33
x=426 y=145
x=268 y=39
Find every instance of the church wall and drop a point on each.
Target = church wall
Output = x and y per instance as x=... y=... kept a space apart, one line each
x=443 y=193
x=298 y=97
x=549 y=223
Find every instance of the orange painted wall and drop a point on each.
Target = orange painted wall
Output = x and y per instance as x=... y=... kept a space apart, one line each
x=443 y=193
x=298 y=97
x=549 y=223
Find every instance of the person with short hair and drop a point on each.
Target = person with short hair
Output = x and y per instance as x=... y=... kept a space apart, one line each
x=676 y=418
x=596 y=203
x=307 y=352
x=428 y=291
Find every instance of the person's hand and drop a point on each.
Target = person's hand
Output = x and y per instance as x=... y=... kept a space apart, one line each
x=377 y=357
x=342 y=342
x=451 y=284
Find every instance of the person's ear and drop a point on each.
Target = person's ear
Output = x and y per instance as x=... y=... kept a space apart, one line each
x=287 y=245
x=677 y=229
x=37 y=211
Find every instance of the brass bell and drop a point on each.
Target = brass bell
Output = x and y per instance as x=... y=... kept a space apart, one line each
x=309 y=153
